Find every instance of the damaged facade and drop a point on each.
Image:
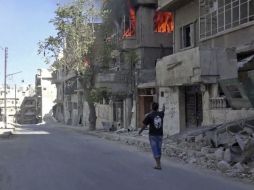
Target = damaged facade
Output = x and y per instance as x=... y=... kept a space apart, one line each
x=209 y=78
x=188 y=55
x=45 y=94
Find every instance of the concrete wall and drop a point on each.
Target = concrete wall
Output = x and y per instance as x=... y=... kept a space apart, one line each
x=104 y=114
x=115 y=82
x=74 y=115
x=145 y=35
x=231 y=38
x=218 y=116
x=185 y=15
x=48 y=96
x=170 y=99
x=196 y=65
x=127 y=112
x=86 y=112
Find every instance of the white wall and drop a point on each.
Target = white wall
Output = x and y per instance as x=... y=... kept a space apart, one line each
x=48 y=96
x=172 y=112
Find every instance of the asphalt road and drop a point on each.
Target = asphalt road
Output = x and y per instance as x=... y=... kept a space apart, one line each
x=51 y=158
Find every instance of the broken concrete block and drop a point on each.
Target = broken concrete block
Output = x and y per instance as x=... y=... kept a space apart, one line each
x=211 y=156
x=238 y=168
x=223 y=166
x=248 y=152
x=199 y=138
x=219 y=154
x=236 y=153
x=252 y=171
x=241 y=140
x=192 y=161
x=205 y=150
x=227 y=155
x=235 y=128
x=249 y=131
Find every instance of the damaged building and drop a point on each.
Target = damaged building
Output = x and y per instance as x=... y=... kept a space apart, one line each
x=188 y=55
x=209 y=77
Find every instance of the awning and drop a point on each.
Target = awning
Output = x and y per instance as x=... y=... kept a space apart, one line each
x=147 y=85
x=245 y=61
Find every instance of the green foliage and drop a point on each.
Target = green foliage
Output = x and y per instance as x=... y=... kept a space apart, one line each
x=97 y=95
x=75 y=26
x=132 y=57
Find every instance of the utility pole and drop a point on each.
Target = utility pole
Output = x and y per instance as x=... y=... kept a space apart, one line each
x=15 y=99
x=5 y=75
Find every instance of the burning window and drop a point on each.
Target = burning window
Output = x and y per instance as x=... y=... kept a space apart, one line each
x=163 y=22
x=130 y=29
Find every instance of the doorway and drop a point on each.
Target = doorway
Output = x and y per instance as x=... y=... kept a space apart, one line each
x=193 y=106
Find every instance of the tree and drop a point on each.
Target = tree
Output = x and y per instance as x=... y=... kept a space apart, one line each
x=72 y=47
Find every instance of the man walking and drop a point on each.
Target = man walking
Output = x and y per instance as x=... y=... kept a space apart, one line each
x=155 y=121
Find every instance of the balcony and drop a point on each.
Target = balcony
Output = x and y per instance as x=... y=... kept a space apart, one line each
x=129 y=43
x=114 y=81
x=196 y=65
x=170 y=5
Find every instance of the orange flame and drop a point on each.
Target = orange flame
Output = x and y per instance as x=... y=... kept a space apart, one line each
x=163 y=22
x=131 y=30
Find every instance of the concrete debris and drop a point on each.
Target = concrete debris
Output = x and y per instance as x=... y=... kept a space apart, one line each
x=199 y=138
x=227 y=155
x=192 y=160
x=223 y=166
x=252 y=171
x=228 y=147
x=122 y=130
x=219 y=154
x=238 y=168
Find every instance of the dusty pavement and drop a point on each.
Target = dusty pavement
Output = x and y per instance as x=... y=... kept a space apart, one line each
x=51 y=158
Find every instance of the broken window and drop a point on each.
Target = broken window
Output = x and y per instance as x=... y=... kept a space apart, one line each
x=187 y=36
x=219 y=15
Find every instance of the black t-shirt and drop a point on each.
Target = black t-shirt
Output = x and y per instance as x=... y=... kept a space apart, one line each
x=155 y=122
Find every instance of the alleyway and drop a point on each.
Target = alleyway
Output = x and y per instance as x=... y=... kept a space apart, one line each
x=50 y=158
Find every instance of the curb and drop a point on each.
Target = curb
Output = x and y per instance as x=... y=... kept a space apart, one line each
x=6 y=133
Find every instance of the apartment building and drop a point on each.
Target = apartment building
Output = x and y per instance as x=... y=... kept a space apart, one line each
x=209 y=77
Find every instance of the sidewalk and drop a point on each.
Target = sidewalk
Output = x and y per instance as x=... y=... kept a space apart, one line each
x=6 y=132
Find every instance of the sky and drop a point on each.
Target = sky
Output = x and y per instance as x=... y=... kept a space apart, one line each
x=23 y=23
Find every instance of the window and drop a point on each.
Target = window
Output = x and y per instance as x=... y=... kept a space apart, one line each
x=220 y=15
x=187 y=36
x=75 y=105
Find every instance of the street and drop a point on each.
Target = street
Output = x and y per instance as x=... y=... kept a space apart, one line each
x=50 y=158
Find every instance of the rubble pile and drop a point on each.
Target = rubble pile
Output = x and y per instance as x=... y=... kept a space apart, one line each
x=228 y=148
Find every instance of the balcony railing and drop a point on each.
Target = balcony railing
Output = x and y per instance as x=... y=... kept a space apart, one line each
x=218 y=103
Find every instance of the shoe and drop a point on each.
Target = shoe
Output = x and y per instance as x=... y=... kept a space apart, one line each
x=157 y=168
